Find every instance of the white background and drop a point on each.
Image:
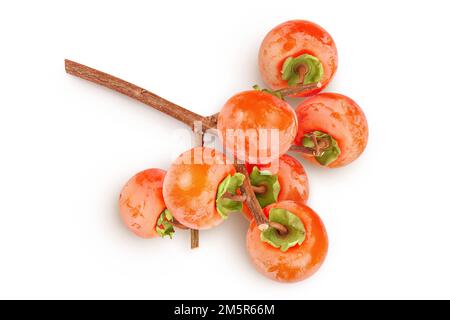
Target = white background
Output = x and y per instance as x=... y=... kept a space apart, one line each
x=68 y=146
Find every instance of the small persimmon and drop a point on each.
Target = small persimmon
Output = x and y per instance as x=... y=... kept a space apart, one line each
x=199 y=187
x=298 y=52
x=142 y=206
x=256 y=126
x=295 y=255
x=334 y=124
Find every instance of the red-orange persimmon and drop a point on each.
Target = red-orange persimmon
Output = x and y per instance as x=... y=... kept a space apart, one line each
x=141 y=202
x=299 y=261
x=292 y=40
x=257 y=126
x=338 y=118
x=191 y=185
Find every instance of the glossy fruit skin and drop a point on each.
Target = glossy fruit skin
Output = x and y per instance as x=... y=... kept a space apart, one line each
x=273 y=167
x=190 y=189
x=294 y=184
x=292 y=39
x=298 y=262
x=141 y=202
x=251 y=111
x=338 y=116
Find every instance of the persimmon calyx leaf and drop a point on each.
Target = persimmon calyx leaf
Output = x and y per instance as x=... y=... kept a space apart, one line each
x=270 y=182
x=328 y=154
x=272 y=92
x=230 y=184
x=304 y=69
x=164 y=226
x=296 y=230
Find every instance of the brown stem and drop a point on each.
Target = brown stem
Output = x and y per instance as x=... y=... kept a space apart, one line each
x=320 y=145
x=177 y=224
x=302 y=71
x=316 y=144
x=212 y=119
x=323 y=144
x=259 y=189
x=235 y=197
x=175 y=111
x=251 y=200
x=298 y=89
x=302 y=149
x=195 y=239
x=280 y=228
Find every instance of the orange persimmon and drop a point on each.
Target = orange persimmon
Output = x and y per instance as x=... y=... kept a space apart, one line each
x=294 y=256
x=192 y=185
x=257 y=126
x=337 y=119
x=141 y=204
x=295 y=52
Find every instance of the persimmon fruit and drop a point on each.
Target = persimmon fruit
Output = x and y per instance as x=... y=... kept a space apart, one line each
x=256 y=126
x=294 y=256
x=142 y=206
x=337 y=123
x=298 y=52
x=198 y=187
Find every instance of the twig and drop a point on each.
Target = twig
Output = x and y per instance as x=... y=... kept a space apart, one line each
x=288 y=91
x=280 y=228
x=175 y=223
x=302 y=149
x=175 y=111
x=251 y=200
x=235 y=197
x=259 y=189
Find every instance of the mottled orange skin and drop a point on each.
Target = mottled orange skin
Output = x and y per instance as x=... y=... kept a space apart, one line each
x=298 y=262
x=190 y=187
x=338 y=116
x=292 y=39
x=293 y=181
x=141 y=202
x=251 y=111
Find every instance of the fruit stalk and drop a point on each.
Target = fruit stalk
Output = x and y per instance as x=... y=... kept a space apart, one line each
x=175 y=111
x=251 y=200
x=298 y=89
x=253 y=204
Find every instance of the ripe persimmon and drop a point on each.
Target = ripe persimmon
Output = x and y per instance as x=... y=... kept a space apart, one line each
x=335 y=125
x=256 y=126
x=199 y=188
x=142 y=206
x=298 y=52
x=293 y=256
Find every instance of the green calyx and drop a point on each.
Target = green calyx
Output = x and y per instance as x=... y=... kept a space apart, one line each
x=272 y=92
x=327 y=155
x=270 y=182
x=296 y=230
x=229 y=185
x=291 y=67
x=164 y=226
